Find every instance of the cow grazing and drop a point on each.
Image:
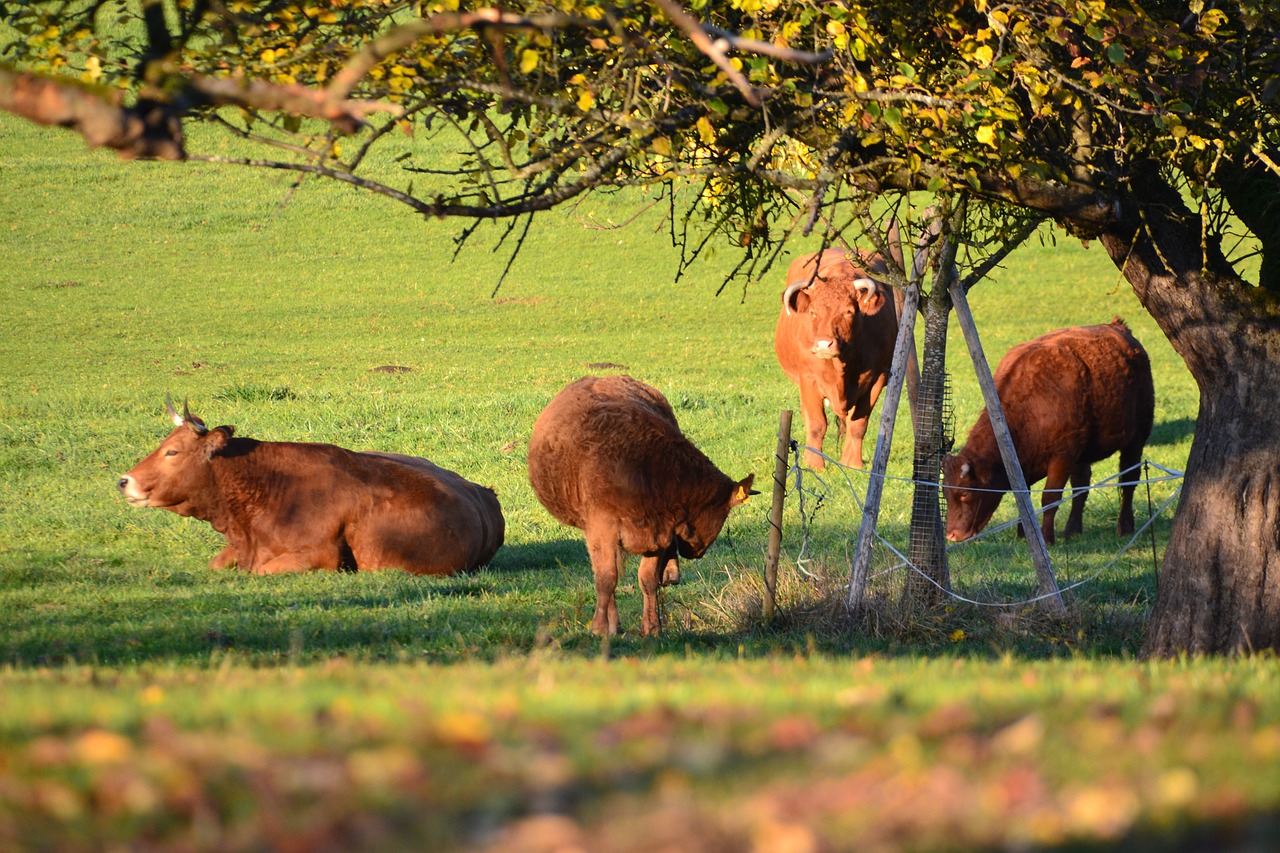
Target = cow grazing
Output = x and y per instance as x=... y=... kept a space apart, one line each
x=607 y=456
x=834 y=339
x=286 y=506
x=1071 y=398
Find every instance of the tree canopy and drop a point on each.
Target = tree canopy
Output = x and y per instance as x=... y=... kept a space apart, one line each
x=1150 y=127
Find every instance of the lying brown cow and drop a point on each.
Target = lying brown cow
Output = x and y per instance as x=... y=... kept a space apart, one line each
x=1071 y=397
x=287 y=507
x=607 y=456
x=835 y=339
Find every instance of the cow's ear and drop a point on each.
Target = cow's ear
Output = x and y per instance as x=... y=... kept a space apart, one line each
x=217 y=439
x=742 y=492
x=796 y=298
x=870 y=296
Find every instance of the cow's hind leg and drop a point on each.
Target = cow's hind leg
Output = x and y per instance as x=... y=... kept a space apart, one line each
x=1129 y=468
x=856 y=426
x=1081 y=476
x=606 y=565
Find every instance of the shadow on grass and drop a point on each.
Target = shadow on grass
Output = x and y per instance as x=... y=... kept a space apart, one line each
x=539 y=556
x=58 y=608
x=1171 y=432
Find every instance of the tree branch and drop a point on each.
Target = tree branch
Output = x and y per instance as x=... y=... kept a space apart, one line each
x=714 y=50
x=147 y=130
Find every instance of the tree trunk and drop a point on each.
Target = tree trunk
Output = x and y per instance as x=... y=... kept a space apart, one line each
x=1220 y=584
x=928 y=552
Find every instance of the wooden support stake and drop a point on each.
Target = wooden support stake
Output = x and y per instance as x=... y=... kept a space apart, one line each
x=905 y=344
x=780 y=466
x=1017 y=482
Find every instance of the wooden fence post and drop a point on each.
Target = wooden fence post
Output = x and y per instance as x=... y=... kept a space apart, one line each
x=1017 y=482
x=906 y=343
x=780 y=457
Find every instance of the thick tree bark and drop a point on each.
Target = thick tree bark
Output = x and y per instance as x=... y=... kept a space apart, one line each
x=928 y=551
x=1220 y=585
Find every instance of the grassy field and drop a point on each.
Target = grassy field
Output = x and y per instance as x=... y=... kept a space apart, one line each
x=148 y=702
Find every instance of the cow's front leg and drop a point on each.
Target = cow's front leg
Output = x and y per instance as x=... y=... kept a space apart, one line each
x=813 y=408
x=1059 y=469
x=288 y=562
x=606 y=565
x=670 y=568
x=224 y=559
x=650 y=581
x=316 y=556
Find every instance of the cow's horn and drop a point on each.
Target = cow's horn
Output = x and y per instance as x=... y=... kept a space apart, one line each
x=173 y=413
x=791 y=290
x=864 y=285
x=195 y=423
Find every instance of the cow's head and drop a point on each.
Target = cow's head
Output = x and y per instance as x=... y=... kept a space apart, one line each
x=832 y=300
x=973 y=489
x=176 y=475
x=695 y=534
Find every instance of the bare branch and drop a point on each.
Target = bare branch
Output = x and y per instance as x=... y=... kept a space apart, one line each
x=346 y=116
x=765 y=48
x=148 y=130
x=1007 y=245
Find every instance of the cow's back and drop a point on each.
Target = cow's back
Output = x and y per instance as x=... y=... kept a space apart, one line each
x=378 y=510
x=1084 y=392
x=611 y=446
x=461 y=521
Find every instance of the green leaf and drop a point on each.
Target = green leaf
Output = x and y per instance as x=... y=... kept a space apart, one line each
x=1115 y=54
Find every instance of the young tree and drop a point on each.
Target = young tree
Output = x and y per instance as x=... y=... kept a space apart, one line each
x=1150 y=128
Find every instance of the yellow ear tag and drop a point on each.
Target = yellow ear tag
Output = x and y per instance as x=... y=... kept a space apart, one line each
x=742 y=495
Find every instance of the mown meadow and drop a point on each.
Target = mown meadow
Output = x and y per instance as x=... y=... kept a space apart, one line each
x=149 y=703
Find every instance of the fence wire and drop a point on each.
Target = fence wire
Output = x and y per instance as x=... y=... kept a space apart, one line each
x=816 y=493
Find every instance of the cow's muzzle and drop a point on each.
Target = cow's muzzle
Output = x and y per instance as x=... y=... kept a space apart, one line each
x=824 y=349
x=132 y=494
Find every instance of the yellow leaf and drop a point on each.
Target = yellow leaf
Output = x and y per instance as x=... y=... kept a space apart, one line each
x=586 y=100
x=92 y=69
x=986 y=134
x=957 y=635
x=662 y=145
x=705 y=131
x=983 y=55
x=528 y=61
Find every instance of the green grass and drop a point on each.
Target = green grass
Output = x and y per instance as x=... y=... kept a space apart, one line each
x=144 y=698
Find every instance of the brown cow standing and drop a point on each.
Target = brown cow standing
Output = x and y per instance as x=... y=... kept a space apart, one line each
x=287 y=507
x=607 y=456
x=1072 y=397
x=835 y=340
